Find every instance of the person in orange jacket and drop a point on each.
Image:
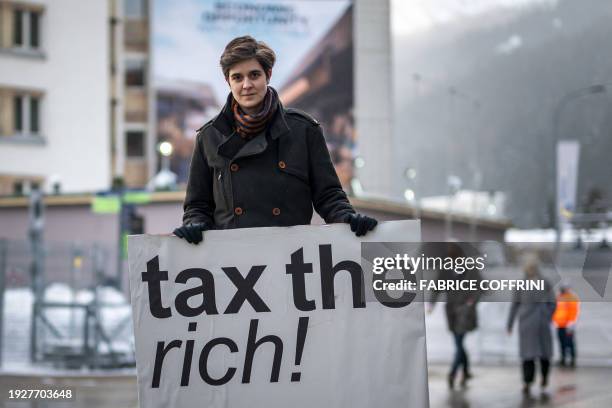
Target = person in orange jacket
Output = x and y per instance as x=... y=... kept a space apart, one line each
x=565 y=317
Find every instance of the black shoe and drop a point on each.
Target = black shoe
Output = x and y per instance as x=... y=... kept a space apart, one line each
x=464 y=380
x=526 y=390
x=451 y=381
x=561 y=363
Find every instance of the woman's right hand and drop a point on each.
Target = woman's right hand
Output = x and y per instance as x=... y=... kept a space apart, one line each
x=192 y=233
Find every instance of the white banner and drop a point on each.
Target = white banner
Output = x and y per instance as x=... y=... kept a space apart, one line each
x=272 y=317
x=568 y=152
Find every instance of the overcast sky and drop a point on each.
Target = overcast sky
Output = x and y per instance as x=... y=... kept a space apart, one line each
x=414 y=16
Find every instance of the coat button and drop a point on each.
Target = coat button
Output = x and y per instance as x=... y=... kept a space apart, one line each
x=234 y=167
x=276 y=211
x=282 y=164
x=238 y=211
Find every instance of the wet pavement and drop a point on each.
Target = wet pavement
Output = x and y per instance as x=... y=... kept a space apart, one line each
x=492 y=386
x=497 y=387
x=88 y=390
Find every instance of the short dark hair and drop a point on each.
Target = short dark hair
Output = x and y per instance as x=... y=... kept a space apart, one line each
x=245 y=48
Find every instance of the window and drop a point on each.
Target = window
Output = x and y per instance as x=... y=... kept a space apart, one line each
x=26 y=114
x=18 y=188
x=25 y=186
x=34 y=29
x=18 y=28
x=18 y=113
x=135 y=143
x=136 y=9
x=34 y=112
x=135 y=73
x=26 y=28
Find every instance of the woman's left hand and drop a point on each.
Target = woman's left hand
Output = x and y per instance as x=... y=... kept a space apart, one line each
x=360 y=224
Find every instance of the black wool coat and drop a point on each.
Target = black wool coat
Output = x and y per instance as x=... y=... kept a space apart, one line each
x=275 y=179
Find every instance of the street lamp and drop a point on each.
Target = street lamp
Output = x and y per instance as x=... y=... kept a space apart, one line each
x=165 y=148
x=410 y=173
x=561 y=105
x=477 y=182
x=454 y=185
x=165 y=179
x=410 y=194
x=359 y=162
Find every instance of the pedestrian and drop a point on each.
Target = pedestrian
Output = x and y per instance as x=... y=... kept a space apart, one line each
x=461 y=315
x=257 y=163
x=565 y=318
x=534 y=310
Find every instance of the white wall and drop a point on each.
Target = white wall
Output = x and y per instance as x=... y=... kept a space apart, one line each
x=74 y=76
x=373 y=98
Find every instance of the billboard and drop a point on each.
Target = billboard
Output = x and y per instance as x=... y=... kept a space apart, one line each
x=313 y=42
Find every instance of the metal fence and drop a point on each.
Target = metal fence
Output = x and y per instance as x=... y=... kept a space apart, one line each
x=60 y=305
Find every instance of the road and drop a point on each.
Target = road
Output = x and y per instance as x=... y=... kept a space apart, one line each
x=500 y=387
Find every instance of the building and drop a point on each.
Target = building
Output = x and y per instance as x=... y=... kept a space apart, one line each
x=134 y=155
x=58 y=101
x=54 y=96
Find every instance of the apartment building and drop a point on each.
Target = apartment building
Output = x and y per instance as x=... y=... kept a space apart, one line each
x=134 y=154
x=54 y=95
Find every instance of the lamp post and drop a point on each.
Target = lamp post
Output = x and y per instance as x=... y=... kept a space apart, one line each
x=356 y=186
x=454 y=185
x=165 y=149
x=410 y=194
x=165 y=179
x=561 y=105
x=477 y=182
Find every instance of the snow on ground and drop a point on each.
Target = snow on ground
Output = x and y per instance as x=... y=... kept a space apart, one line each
x=115 y=316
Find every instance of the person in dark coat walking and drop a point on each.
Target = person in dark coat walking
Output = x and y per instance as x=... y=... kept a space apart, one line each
x=461 y=313
x=257 y=163
x=535 y=311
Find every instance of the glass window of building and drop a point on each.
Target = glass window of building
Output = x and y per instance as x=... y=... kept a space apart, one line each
x=34 y=115
x=18 y=28
x=26 y=114
x=26 y=28
x=135 y=143
x=136 y=9
x=135 y=73
x=18 y=188
x=18 y=113
x=34 y=29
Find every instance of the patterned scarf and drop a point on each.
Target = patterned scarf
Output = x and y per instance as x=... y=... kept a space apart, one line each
x=248 y=126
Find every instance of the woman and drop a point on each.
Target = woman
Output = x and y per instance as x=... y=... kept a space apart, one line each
x=258 y=164
x=535 y=310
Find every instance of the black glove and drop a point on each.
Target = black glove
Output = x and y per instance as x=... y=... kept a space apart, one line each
x=360 y=224
x=192 y=233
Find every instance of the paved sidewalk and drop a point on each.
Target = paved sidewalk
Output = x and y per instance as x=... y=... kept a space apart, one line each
x=491 y=387
x=89 y=390
x=497 y=387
